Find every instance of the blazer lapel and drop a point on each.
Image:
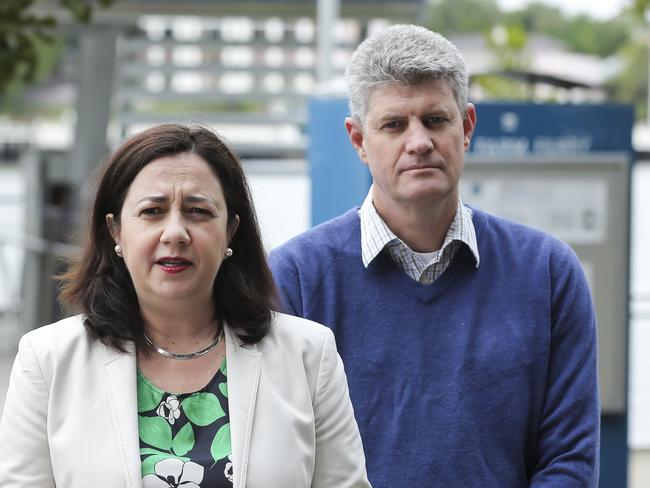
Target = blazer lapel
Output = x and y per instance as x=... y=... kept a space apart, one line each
x=243 y=366
x=120 y=378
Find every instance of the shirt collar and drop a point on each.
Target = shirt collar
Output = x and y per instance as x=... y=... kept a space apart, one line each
x=375 y=233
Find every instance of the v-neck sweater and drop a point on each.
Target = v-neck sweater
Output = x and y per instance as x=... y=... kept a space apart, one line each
x=485 y=377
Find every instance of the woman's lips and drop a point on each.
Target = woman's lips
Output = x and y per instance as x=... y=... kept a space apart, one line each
x=173 y=265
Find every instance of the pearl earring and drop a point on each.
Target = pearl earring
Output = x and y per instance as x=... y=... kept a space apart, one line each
x=118 y=250
x=228 y=252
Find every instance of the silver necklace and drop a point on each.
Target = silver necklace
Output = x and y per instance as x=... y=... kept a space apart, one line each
x=183 y=355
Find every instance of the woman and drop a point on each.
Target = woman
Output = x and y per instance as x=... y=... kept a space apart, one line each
x=177 y=373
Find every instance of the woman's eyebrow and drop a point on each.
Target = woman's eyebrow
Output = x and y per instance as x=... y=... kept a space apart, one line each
x=153 y=198
x=199 y=199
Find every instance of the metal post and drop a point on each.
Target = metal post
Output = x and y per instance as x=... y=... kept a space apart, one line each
x=96 y=67
x=327 y=13
x=34 y=274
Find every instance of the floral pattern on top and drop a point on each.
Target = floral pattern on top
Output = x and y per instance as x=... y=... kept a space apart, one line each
x=169 y=409
x=174 y=472
x=185 y=438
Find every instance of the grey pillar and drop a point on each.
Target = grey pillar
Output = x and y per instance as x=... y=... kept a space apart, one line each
x=96 y=68
x=327 y=13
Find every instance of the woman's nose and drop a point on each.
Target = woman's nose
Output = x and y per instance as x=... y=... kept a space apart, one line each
x=175 y=229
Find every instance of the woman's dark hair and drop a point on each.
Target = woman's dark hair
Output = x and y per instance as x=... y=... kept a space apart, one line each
x=98 y=284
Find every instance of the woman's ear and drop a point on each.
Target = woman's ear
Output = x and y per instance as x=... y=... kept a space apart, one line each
x=233 y=228
x=113 y=227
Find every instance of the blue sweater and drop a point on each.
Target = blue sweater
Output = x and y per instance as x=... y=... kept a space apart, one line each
x=485 y=378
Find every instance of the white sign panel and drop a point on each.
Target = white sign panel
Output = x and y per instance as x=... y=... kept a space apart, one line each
x=574 y=211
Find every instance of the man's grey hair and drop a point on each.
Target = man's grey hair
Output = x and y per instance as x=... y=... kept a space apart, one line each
x=408 y=54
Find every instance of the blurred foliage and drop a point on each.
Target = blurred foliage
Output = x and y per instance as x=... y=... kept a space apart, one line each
x=601 y=38
x=579 y=33
x=27 y=45
x=47 y=55
x=625 y=37
x=630 y=84
x=640 y=7
x=463 y=16
x=503 y=88
x=198 y=108
x=507 y=43
x=201 y=107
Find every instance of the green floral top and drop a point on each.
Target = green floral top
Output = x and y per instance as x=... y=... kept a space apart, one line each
x=185 y=438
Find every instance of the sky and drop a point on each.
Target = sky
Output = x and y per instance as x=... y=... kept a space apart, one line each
x=599 y=9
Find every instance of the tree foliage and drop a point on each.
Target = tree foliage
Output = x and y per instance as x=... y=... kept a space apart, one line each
x=580 y=33
x=630 y=84
x=616 y=37
x=26 y=38
x=507 y=43
x=602 y=38
x=463 y=16
x=539 y=17
x=640 y=7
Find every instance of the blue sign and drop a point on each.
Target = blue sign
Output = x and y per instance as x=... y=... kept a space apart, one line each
x=516 y=130
x=339 y=179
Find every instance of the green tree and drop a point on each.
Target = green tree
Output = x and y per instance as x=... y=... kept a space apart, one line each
x=26 y=39
x=580 y=33
x=615 y=37
x=540 y=18
x=640 y=7
x=507 y=42
x=463 y=16
x=601 y=38
x=630 y=84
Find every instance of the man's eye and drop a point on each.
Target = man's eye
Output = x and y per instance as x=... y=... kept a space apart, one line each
x=434 y=120
x=393 y=124
x=151 y=211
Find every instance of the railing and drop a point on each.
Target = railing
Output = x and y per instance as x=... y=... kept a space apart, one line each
x=36 y=244
x=25 y=263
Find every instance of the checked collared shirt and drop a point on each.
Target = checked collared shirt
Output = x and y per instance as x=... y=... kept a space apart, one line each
x=424 y=268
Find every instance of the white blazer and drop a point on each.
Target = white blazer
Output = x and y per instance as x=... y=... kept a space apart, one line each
x=70 y=416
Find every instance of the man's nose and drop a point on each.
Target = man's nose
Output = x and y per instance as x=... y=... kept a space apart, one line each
x=175 y=229
x=419 y=139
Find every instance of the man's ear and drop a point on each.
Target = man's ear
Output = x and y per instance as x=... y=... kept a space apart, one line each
x=469 y=123
x=355 y=133
x=113 y=227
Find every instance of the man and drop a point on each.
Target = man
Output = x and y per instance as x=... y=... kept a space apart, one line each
x=469 y=341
